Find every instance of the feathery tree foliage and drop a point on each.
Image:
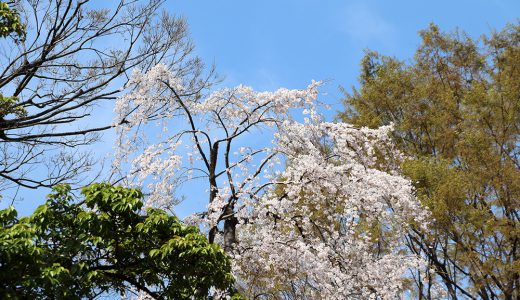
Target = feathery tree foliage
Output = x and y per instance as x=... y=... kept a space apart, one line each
x=456 y=110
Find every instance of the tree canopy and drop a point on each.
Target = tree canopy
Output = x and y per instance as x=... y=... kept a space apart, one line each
x=283 y=246
x=456 y=110
x=106 y=244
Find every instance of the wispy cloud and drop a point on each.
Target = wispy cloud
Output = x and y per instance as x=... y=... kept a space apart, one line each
x=366 y=27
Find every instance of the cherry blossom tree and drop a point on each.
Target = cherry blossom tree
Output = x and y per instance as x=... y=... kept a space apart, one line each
x=329 y=225
x=214 y=127
x=333 y=226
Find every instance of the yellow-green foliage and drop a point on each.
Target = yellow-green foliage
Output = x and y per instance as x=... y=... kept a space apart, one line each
x=456 y=108
x=10 y=22
x=8 y=105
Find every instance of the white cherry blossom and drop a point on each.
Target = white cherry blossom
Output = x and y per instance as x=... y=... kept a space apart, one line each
x=328 y=225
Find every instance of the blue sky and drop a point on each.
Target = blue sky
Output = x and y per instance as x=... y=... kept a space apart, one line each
x=268 y=44
x=287 y=43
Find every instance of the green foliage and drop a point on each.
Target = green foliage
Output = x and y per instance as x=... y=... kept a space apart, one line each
x=456 y=109
x=8 y=105
x=10 y=22
x=68 y=250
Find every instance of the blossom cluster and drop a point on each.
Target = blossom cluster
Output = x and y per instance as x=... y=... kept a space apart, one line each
x=329 y=225
x=332 y=227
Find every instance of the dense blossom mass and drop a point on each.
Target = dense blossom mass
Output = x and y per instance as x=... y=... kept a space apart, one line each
x=329 y=225
x=318 y=231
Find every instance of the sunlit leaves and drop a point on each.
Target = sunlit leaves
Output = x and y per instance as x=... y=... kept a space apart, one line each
x=106 y=244
x=456 y=111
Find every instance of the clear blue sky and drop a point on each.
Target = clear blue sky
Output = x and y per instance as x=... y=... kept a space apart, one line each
x=287 y=43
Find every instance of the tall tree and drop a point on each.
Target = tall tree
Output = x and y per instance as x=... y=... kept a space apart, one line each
x=284 y=246
x=105 y=244
x=72 y=60
x=456 y=110
x=213 y=129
